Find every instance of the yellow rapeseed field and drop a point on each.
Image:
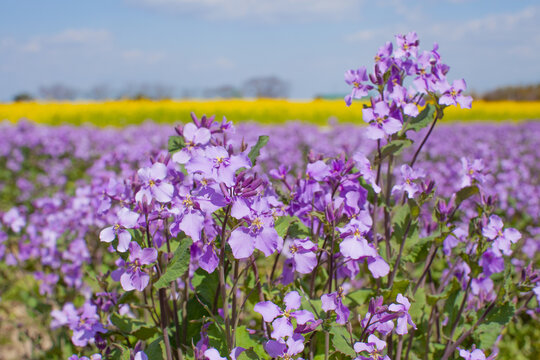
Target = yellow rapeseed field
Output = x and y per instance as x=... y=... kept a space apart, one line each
x=266 y=111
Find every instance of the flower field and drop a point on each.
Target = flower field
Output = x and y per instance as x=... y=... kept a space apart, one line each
x=264 y=111
x=406 y=238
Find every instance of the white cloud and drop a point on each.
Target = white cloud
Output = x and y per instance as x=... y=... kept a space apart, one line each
x=68 y=37
x=147 y=57
x=267 y=10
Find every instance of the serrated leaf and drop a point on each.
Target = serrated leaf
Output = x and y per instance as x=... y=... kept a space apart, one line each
x=256 y=149
x=176 y=143
x=341 y=340
x=487 y=334
x=448 y=290
x=395 y=147
x=423 y=119
x=178 y=266
x=501 y=314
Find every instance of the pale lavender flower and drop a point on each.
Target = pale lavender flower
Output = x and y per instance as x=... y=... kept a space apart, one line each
x=134 y=277
x=407 y=45
x=127 y=219
x=153 y=185
x=334 y=301
x=381 y=121
x=452 y=95
x=402 y=309
x=472 y=171
x=285 y=349
x=365 y=169
x=281 y=319
x=356 y=78
x=373 y=349
x=408 y=185
x=502 y=239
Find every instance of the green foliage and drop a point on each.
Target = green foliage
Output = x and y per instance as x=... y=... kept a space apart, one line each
x=255 y=150
x=341 y=340
x=423 y=119
x=395 y=147
x=176 y=143
x=178 y=265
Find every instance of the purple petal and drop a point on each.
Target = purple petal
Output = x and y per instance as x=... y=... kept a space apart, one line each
x=328 y=302
x=268 y=310
x=242 y=243
x=107 y=234
x=158 y=171
x=292 y=300
x=124 y=239
x=282 y=328
x=303 y=316
x=275 y=348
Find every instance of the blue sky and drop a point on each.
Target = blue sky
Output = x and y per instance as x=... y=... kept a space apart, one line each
x=200 y=44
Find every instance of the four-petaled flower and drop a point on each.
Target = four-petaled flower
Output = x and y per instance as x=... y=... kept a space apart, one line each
x=134 y=277
x=153 y=186
x=334 y=301
x=402 y=309
x=502 y=239
x=381 y=121
x=281 y=319
x=127 y=219
x=374 y=348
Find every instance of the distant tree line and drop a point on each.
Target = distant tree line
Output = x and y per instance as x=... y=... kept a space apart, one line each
x=256 y=87
x=515 y=93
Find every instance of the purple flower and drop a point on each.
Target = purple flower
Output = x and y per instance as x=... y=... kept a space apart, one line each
x=134 y=277
x=408 y=175
x=334 y=301
x=407 y=45
x=194 y=138
x=401 y=98
x=402 y=309
x=259 y=234
x=373 y=348
x=84 y=322
x=502 y=239
x=14 y=220
x=472 y=171
x=285 y=349
x=452 y=95
x=381 y=121
x=303 y=255
x=356 y=78
x=153 y=186
x=216 y=163
x=127 y=219
x=365 y=169
x=281 y=320
x=475 y=354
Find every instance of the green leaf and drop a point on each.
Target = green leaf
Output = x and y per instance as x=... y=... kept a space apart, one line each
x=176 y=143
x=419 y=251
x=125 y=324
x=178 y=266
x=297 y=230
x=341 y=340
x=487 y=334
x=501 y=314
x=251 y=343
x=282 y=224
x=156 y=350
x=205 y=285
x=256 y=149
x=448 y=290
x=423 y=119
x=466 y=193
x=395 y=147
x=360 y=297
